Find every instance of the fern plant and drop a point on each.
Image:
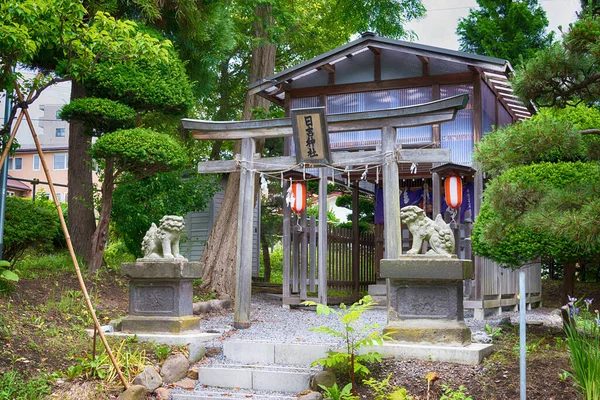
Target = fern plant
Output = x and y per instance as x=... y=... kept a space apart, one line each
x=335 y=393
x=385 y=391
x=356 y=337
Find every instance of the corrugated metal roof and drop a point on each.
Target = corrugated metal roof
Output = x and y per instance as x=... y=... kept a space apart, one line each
x=369 y=39
x=495 y=71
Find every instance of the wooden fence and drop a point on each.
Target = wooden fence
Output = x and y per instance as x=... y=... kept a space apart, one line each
x=351 y=262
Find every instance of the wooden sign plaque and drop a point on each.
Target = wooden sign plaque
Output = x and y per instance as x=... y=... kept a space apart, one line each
x=310 y=135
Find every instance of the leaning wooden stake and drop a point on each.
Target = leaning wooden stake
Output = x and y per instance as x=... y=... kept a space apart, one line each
x=65 y=230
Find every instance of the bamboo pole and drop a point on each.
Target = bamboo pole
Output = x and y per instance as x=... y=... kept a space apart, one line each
x=14 y=131
x=68 y=238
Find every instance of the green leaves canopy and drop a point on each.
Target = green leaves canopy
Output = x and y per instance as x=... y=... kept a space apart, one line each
x=141 y=152
x=546 y=199
x=544 y=209
x=566 y=72
x=542 y=139
x=99 y=116
x=145 y=84
x=505 y=29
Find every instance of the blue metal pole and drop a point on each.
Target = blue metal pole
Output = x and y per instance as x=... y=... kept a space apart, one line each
x=4 y=177
x=522 y=331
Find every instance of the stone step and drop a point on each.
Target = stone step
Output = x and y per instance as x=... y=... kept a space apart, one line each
x=229 y=395
x=254 y=351
x=255 y=377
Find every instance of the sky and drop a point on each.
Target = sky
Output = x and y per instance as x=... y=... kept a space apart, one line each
x=439 y=25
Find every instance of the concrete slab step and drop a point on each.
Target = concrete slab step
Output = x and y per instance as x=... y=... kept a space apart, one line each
x=254 y=351
x=229 y=395
x=269 y=378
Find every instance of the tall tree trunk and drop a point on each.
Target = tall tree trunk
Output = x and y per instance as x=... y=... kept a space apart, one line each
x=82 y=221
x=568 y=287
x=224 y=105
x=101 y=234
x=219 y=255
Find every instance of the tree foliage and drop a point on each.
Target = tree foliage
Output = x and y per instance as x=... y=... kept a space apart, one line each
x=99 y=115
x=144 y=84
x=26 y=224
x=542 y=209
x=567 y=72
x=140 y=152
x=543 y=139
x=505 y=29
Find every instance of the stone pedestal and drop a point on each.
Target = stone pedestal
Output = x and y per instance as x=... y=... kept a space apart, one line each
x=425 y=299
x=161 y=296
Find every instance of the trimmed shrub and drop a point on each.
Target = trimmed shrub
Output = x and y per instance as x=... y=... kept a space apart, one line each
x=27 y=224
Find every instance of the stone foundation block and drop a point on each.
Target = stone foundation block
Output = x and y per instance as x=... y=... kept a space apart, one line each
x=138 y=324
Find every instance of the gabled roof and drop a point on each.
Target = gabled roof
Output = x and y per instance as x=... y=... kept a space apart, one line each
x=495 y=71
x=17 y=185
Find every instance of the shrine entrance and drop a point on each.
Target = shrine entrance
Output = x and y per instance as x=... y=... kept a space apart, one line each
x=383 y=160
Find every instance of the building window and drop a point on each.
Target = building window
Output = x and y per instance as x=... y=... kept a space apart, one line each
x=15 y=163
x=60 y=132
x=61 y=161
x=36 y=162
x=58 y=114
x=61 y=197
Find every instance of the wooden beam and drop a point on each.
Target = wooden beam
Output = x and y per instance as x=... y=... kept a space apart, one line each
x=436 y=135
x=243 y=287
x=374 y=50
x=391 y=200
x=329 y=67
x=426 y=65
x=339 y=159
x=436 y=194
x=376 y=63
x=463 y=77
x=477 y=109
x=287 y=242
x=421 y=114
x=355 y=241
x=322 y=236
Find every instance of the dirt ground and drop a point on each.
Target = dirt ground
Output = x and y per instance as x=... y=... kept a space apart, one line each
x=36 y=337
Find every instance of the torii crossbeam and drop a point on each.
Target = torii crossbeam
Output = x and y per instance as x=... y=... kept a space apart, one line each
x=389 y=155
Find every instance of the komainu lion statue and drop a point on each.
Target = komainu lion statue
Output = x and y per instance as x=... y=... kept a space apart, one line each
x=163 y=241
x=437 y=233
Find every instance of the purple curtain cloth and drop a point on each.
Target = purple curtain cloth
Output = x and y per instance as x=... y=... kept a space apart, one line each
x=379 y=205
x=407 y=198
x=415 y=198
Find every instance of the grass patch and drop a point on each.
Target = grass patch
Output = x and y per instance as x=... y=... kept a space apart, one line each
x=14 y=386
x=34 y=265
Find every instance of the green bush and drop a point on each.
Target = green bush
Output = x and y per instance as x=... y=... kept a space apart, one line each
x=27 y=224
x=276 y=264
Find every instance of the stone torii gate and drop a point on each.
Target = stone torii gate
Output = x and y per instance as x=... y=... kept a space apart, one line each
x=389 y=155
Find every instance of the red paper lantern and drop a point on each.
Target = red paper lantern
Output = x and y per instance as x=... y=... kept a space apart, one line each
x=453 y=186
x=299 y=192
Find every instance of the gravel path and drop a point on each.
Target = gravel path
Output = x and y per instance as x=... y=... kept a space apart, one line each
x=270 y=321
